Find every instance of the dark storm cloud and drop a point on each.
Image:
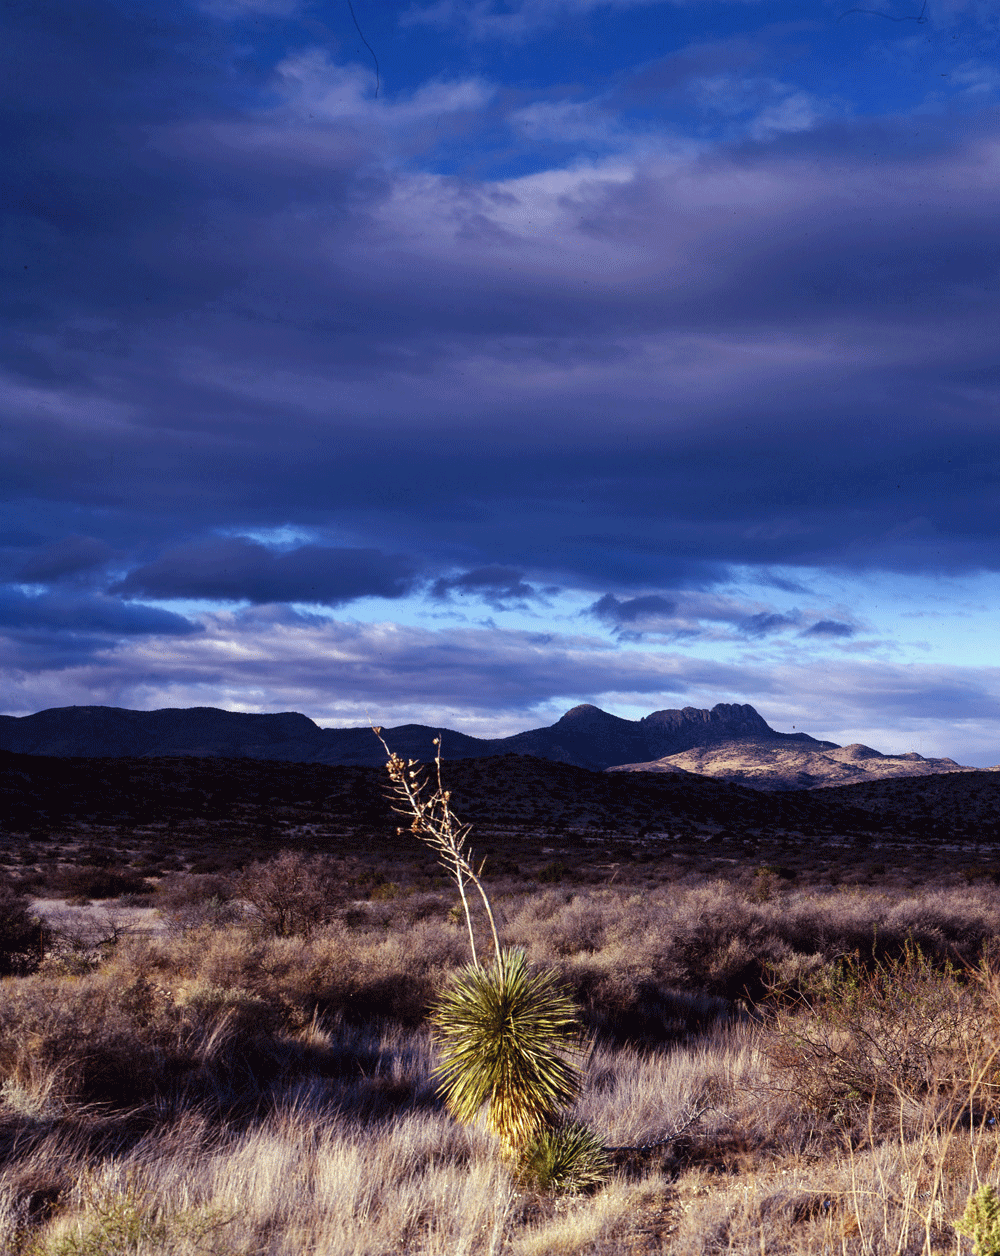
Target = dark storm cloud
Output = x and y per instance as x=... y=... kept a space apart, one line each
x=632 y=610
x=823 y=450
x=829 y=628
x=235 y=569
x=83 y=616
x=501 y=587
x=767 y=622
x=67 y=557
x=689 y=616
x=232 y=304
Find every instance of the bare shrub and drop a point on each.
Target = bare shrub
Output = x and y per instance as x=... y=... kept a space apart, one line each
x=292 y=893
x=358 y=974
x=857 y=1042
x=712 y=940
x=270 y=1123
x=23 y=935
x=189 y=900
x=124 y=1033
x=377 y=976
x=90 y=883
x=179 y=889
x=945 y=924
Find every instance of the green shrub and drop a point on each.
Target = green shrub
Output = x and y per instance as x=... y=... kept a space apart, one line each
x=981 y=1221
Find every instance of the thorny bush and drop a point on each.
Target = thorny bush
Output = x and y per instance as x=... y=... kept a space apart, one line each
x=854 y=1041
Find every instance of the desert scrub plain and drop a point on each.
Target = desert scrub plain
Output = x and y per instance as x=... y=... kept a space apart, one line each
x=789 y=1011
x=773 y=1068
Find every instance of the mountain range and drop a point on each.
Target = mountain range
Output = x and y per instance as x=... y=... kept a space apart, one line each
x=731 y=741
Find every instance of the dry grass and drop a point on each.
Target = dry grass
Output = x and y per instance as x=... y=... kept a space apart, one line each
x=217 y=1089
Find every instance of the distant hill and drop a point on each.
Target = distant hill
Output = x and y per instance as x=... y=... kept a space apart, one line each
x=240 y=797
x=762 y=764
x=731 y=741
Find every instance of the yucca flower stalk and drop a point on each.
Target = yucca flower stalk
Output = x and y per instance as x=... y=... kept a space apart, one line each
x=504 y=1033
x=434 y=823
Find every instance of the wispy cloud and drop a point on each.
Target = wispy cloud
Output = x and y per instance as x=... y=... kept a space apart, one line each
x=250 y=8
x=487 y=19
x=312 y=85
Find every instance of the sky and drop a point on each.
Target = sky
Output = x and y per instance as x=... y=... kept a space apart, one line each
x=459 y=361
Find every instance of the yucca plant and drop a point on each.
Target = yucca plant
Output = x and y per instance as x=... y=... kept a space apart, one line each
x=504 y=1034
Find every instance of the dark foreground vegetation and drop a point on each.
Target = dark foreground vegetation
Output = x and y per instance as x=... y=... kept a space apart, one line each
x=789 y=1036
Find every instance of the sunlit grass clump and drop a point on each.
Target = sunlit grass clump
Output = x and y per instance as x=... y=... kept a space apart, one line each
x=564 y=1159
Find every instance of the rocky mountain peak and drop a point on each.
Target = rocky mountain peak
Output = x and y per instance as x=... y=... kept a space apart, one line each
x=672 y=731
x=732 y=717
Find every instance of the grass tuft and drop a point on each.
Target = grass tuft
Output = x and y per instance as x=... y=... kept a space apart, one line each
x=564 y=1159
